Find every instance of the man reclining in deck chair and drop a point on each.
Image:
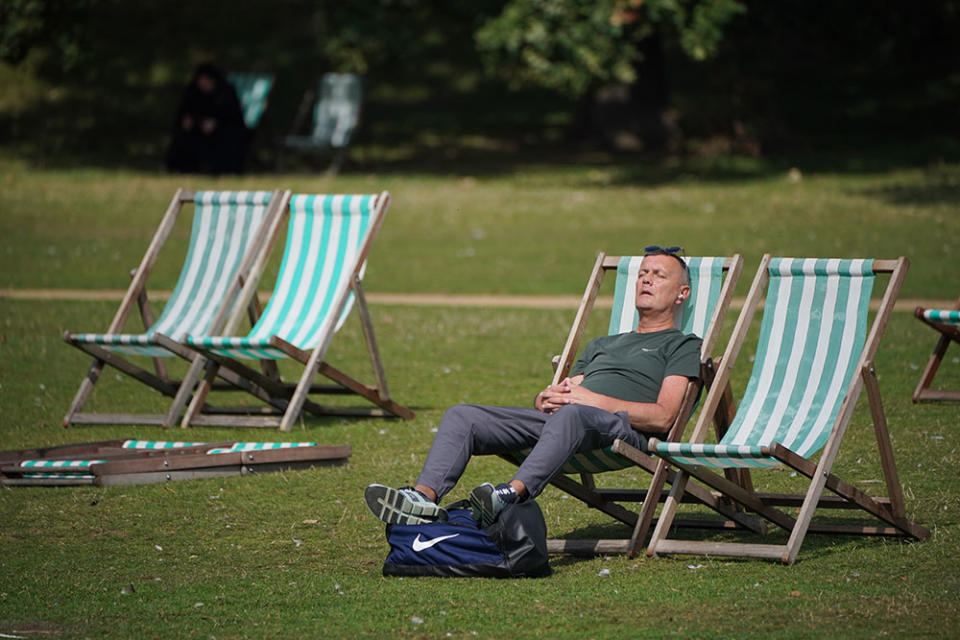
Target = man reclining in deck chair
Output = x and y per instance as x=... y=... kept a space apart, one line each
x=628 y=386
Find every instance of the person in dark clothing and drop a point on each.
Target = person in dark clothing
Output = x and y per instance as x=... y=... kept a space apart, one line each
x=209 y=135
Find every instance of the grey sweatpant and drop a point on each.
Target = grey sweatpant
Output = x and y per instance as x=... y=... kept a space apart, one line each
x=468 y=430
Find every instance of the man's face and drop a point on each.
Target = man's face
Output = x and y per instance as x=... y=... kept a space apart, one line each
x=660 y=284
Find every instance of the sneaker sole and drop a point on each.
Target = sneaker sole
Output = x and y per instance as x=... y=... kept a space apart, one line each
x=481 y=501
x=392 y=507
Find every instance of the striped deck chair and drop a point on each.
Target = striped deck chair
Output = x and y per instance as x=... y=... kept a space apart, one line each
x=252 y=89
x=336 y=104
x=702 y=314
x=226 y=238
x=947 y=323
x=328 y=239
x=814 y=356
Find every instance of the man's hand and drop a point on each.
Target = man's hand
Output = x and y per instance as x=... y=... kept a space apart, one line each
x=651 y=417
x=557 y=395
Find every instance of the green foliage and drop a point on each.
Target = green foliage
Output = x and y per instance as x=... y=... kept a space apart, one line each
x=49 y=32
x=573 y=45
x=560 y=44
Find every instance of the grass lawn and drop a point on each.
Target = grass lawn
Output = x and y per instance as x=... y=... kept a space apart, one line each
x=297 y=555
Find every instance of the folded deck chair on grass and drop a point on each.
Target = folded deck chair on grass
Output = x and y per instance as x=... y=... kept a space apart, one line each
x=712 y=282
x=328 y=239
x=228 y=234
x=113 y=462
x=814 y=356
x=947 y=323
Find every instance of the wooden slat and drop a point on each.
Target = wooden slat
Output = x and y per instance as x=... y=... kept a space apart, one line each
x=46 y=482
x=118 y=418
x=698 y=547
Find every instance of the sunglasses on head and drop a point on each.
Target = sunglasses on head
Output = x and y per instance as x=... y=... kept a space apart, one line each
x=654 y=250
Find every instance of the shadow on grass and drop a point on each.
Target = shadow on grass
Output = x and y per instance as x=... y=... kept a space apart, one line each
x=936 y=189
x=127 y=128
x=814 y=544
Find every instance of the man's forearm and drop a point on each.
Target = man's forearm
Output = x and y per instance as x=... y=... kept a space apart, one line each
x=650 y=417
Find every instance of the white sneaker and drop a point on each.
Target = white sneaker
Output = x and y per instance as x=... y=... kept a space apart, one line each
x=405 y=505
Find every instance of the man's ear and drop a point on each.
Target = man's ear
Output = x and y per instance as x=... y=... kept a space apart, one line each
x=683 y=295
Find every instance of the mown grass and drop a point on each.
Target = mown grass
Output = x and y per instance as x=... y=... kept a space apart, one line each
x=296 y=555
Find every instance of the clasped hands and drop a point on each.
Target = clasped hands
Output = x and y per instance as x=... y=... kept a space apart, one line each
x=565 y=392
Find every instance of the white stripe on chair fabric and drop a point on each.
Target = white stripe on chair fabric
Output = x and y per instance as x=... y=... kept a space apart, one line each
x=943 y=316
x=706 y=279
x=324 y=236
x=224 y=224
x=811 y=338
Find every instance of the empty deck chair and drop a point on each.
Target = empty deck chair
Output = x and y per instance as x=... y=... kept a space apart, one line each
x=328 y=239
x=229 y=229
x=335 y=115
x=813 y=358
x=253 y=91
x=947 y=323
x=712 y=281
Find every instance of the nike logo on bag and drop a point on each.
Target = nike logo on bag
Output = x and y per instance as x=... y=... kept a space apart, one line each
x=419 y=545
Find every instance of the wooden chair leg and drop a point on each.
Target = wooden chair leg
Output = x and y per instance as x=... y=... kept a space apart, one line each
x=83 y=393
x=932 y=366
x=647 y=510
x=668 y=512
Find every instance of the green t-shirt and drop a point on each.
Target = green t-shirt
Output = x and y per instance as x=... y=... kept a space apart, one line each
x=632 y=366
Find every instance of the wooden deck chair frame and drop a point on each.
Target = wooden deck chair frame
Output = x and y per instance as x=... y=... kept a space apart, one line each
x=890 y=511
x=947 y=323
x=286 y=400
x=606 y=499
x=136 y=296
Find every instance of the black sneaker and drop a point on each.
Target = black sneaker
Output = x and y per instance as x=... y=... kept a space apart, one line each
x=405 y=505
x=487 y=501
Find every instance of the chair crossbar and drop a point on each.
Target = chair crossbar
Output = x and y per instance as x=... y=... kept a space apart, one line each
x=943 y=316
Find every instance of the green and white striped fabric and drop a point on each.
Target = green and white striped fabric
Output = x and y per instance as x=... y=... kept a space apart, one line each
x=324 y=237
x=811 y=338
x=260 y=446
x=224 y=224
x=706 y=280
x=59 y=476
x=59 y=469
x=252 y=91
x=943 y=316
x=59 y=465
x=158 y=444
